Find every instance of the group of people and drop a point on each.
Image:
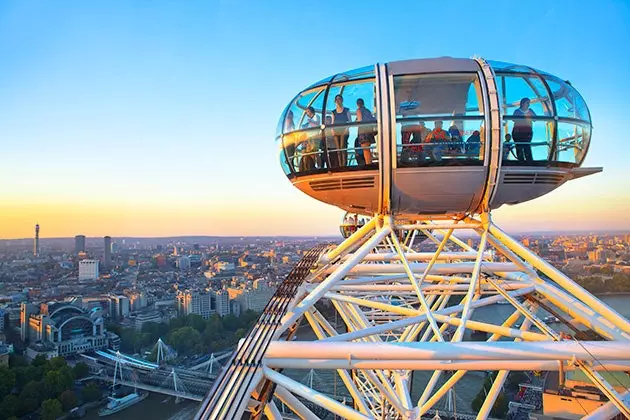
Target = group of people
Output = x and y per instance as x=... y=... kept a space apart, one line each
x=419 y=142
x=351 y=223
x=336 y=140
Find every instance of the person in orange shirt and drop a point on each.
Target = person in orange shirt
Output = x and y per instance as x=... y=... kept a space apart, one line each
x=435 y=137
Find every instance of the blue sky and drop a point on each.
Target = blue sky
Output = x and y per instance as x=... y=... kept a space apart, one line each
x=114 y=110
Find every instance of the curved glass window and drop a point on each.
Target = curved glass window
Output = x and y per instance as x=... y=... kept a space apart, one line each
x=514 y=88
x=284 y=162
x=573 y=139
x=351 y=124
x=297 y=117
x=439 y=120
x=280 y=125
x=356 y=74
x=502 y=66
x=305 y=150
x=527 y=142
x=303 y=113
x=528 y=127
x=569 y=103
x=331 y=128
x=539 y=119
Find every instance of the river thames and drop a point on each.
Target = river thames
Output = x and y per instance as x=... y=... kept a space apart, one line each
x=161 y=407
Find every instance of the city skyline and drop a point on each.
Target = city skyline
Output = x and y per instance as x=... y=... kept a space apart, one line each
x=155 y=120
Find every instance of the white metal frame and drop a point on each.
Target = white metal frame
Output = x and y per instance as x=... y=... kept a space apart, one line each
x=395 y=306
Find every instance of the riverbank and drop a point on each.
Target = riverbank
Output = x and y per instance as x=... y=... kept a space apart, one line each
x=160 y=407
x=155 y=407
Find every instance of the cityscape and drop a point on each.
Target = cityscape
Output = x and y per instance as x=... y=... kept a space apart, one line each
x=71 y=296
x=241 y=210
x=65 y=297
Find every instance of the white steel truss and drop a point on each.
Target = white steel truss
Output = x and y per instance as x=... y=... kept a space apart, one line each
x=404 y=297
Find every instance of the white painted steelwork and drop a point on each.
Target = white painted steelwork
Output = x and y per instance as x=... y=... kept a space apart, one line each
x=395 y=318
x=411 y=288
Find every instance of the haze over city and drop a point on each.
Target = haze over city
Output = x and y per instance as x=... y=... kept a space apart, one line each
x=231 y=209
x=157 y=119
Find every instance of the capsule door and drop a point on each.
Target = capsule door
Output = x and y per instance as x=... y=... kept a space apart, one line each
x=437 y=136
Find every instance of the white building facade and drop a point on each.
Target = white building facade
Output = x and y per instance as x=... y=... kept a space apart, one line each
x=88 y=270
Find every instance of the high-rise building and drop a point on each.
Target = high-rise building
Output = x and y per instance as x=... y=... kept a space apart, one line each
x=36 y=243
x=107 y=257
x=88 y=269
x=79 y=244
x=194 y=302
x=119 y=307
x=252 y=298
x=183 y=263
x=26 y=309
x=222 y=300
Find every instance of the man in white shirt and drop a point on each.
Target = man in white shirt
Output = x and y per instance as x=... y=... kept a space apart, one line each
x=312 y=119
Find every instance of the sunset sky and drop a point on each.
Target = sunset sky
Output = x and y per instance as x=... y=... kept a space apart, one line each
x=138 y=118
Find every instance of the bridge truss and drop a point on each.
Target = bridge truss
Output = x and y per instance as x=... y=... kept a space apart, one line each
x=407 y=296
x=192 y=383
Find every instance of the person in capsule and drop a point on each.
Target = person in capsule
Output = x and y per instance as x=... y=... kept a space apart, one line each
x=435 y=137
x=473 y=144
x=522 y=131
x=455 y=146
x=366 y=135
x=341 y=115
x=289 y=126
x=312 y=119
x=313 y=147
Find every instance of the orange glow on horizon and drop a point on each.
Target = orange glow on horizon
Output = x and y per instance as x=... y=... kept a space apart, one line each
x=299 y=217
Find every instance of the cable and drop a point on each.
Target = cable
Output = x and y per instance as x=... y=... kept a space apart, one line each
x=601 y=364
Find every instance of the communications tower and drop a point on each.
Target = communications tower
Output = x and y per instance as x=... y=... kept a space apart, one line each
x=36 y=242
x=404 y=309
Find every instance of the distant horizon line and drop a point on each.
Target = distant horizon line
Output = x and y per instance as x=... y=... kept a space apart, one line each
x=561 y=231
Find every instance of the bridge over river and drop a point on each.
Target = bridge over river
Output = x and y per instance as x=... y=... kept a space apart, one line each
x=191 y=383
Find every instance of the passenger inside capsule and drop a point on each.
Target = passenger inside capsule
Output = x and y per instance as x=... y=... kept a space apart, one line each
x=365 y=139
x=435 y=138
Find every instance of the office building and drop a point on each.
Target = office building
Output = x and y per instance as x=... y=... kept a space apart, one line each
x=183 y=263
x=26 y=309
x=88 y=270
x=137 y=300
x=195 y=302
x=222 y=303
x=79 y=244
x=119 y=307
x=107 y=255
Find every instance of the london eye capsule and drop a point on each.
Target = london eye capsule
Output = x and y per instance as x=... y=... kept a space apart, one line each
x=351 y=223
x=434 y=137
